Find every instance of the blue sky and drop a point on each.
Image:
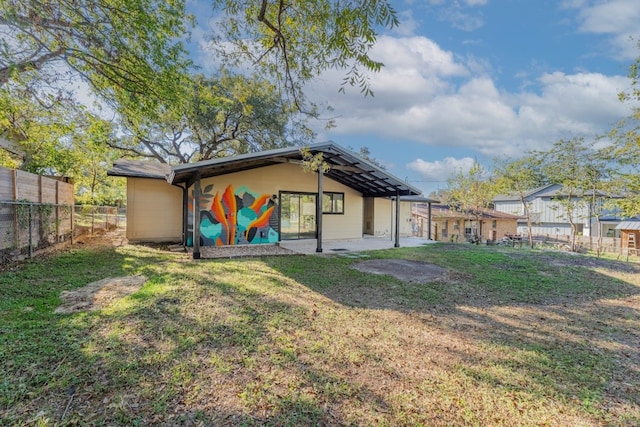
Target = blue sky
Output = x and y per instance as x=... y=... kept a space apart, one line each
x=480 y=79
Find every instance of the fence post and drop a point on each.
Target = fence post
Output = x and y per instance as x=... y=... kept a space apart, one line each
x=71 y=215
x=30 y=230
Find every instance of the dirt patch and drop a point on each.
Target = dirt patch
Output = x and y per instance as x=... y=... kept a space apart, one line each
x=405 y=270
x=97 y=295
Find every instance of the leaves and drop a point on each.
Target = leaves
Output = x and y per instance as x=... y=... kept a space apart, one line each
x=216 y=117
x=295 y=42
x=471 y=192
x=117 y=46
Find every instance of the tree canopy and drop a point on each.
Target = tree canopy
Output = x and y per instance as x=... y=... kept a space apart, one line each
x=217 y=117
x=294 y=41
x=471 y=193
x=117 y=46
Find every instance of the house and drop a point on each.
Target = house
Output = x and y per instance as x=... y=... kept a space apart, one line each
x=449 y=224
x=549 y=216
x=262 y=198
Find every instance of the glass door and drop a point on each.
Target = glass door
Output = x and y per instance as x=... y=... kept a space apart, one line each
x=298 y=216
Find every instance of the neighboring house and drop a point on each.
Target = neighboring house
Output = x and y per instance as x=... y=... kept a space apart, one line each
x=451 y=225
x=549 y=216
x=262 y=197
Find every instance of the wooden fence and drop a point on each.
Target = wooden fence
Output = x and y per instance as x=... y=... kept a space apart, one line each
x=17 y=185
x=35 y=211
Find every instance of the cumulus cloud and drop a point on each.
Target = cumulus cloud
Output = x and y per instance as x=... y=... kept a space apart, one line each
x=431 y=96
x=441 y=170
x=617 y=18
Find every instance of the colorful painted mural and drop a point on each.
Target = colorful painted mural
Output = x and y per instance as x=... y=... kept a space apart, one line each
x=235 y=217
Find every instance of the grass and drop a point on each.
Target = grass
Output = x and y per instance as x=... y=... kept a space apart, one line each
x=510 y=337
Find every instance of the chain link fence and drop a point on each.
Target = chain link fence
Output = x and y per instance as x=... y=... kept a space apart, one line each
x=26 y=227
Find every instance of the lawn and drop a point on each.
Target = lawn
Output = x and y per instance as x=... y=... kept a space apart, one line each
x=506 y=337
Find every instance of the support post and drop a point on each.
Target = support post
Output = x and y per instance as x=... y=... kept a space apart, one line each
x=397 y=242
x=429 y=220
x=196 y=217
x=319 y=211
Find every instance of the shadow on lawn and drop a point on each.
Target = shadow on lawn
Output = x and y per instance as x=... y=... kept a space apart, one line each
x=194 y=346
x=554 y=323
x=245 y=343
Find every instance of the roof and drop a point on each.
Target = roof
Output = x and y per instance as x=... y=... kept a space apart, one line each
x=516 y=197
x=550 y=190
x=445 y=211
x=628 y=225
x=418 y=199
x=140 y=169
x=345 y=167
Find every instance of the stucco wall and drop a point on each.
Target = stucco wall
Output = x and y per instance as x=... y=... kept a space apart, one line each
x=154 y=211
x=383 y=217
x=271 y=180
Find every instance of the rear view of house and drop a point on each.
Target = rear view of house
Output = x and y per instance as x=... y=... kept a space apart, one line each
x=262 y=198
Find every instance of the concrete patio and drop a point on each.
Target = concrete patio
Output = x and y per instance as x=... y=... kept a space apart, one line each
x=367 y=243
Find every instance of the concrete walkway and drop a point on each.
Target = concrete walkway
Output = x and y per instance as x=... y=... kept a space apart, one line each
x=367 y=243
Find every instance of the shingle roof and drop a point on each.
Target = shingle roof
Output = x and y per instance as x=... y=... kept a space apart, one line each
x=140 y=169
x=445 y=211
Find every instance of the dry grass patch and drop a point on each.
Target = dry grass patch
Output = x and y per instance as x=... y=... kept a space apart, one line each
x=99 y=294
x=310 y=341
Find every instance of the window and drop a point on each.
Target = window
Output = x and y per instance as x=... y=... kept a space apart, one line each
x=333 y=203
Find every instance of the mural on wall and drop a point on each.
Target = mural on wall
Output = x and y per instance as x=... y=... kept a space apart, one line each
x=235 y=217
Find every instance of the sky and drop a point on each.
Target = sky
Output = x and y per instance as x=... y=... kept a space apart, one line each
x=479 y=80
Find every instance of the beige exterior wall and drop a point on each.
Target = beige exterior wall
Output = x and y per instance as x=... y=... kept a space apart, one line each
x=385 y=218
x=154 y=211
x=291 y=178
x=406 y=225
x=383 y=224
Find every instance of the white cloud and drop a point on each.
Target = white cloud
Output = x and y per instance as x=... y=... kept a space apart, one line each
x=617 y=18
x=408 y=24
x=441 y=170
x=427 y=95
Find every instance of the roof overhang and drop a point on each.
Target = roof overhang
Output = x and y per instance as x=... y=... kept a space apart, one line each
x=140 y=169
x=345 y=167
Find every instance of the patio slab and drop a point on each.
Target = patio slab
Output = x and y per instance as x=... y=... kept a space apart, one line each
x=345 y=246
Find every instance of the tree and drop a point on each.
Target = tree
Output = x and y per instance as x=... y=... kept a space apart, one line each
x=92 y=185
x=518 y=177
x=42 y=133
x=626 y=150
x=119 y=47
x=365 y=153
x=471 y=193
x=295 y=41
x=218 y=117
x=61 y=139
x=566 y=164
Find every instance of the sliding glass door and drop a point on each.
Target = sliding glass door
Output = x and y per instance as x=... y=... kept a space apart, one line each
x=298 y=216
